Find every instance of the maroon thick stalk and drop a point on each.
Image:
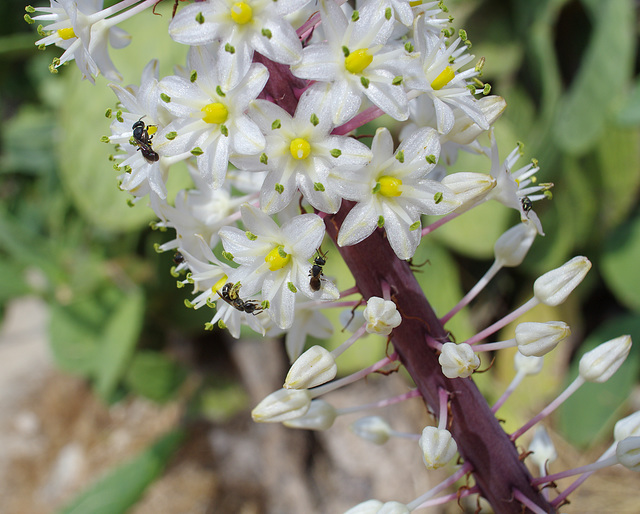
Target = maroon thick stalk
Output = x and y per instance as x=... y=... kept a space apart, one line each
x=481 y=441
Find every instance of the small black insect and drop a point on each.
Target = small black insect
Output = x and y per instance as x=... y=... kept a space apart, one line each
x=527 y=204
x=316 y=270
x=142 y=140
x=178 y=258
x=229 y=294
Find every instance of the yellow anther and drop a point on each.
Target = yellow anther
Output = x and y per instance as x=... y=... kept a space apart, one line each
x=415 y=3
x=241 y=13
x=219 y=284
x=358 y=60
x=67 y=33
x=215 y=113
x=151 y=129
x=300 y=148
x=389 y=186
x=277 y=258
x=444 y=78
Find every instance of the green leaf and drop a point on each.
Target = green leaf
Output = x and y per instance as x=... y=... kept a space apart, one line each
x=604 y=73
x=154 y=375
x=619 y=265
x=117 y=343
x=629 y=114
x=12 y=280
x=589 y=414
x=124 y=485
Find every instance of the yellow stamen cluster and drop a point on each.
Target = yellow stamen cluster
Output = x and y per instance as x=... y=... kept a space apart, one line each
x=358 y=60
x=241 y=13
x=444 y=78
x=277 y=258
x=215 y=113
x=300 y=148
x=389 y=186
x=67 y=33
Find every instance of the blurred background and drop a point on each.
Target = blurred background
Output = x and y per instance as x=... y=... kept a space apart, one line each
x=114 y=398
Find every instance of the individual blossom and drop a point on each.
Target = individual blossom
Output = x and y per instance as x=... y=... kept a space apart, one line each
x=381 y=316
x=314 y=367
x=556 y=285
x=628 y=453
x=282 y=405
x=627 y=427
x=542 y=449
x=276 y=260
x=299 y=154
x=373 y=429
x=82 y=30
x=513 y=245
x=438 y=447
x=320 y=416
x=241 y=28
x=538 y=339
x=392 y=191
x=458 y=360
x=210 y=121
x=599 y=364
x=355 y=60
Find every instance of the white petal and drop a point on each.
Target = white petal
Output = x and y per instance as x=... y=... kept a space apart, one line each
x=361 y=221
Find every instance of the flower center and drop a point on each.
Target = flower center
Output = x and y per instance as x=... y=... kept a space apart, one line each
x=277 y=258
x=300 y=148
x=67 y=33
x=444 y=78
x=358 y=60
x=389 y=186
x=241 y=13
x=215 y=113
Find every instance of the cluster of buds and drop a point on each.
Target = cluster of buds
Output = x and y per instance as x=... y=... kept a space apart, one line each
x=264 y=113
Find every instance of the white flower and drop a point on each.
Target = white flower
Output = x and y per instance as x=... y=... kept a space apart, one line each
x=556 y=285
x=276 y=260
x=458 y=360
x=628 y=453
x=355 y=61
x=512 y=247
x=627 y=427
x=528 y=365
x=540 y=338
x=210 y=121
x=438 y=447
x=543 y=449
x=282 y=405
x=392 y=191
x=314 y=367
x=320 y=416
x=470 y=188
x=242 y=28
x=299 y=153
x=372 y=428
x=82 y=31
x=604 y=360
x=367 y=507
x=381 y=315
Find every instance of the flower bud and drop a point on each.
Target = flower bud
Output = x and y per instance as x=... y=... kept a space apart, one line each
x=464 y=130
x=438 y=447
x=511 y=247
x=282 y=405
x=394 y=508
x=320 y=416
x=381 y=315
x=542 y=447
x=537 y=339
x=373 y=429
x=604 y=360
x=458 y=360
x=627 y=427
x=368 y=507
x=628 y=453
x=555 y=286
x=528 y=365
x=469 y=188
x=314 y=367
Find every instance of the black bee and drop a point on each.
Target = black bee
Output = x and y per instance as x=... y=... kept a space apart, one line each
x=527 y=204
x=178 y=258
x=316 y=270
x=142 y=140
x=230 y=295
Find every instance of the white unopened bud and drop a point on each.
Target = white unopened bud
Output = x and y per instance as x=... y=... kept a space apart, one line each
x=438 y=447
x=511 y=247
x=555 y=286
x=528 y=365
x=368 y=507
x=465 y=131
x=394 y=508
x=538 y=339
x=373 y=429
x=542 y=447
x=627 y=427
x=320 y=416
x=381 y=315
x=282 y=405
x=458 y=360
x=628 y=453
x=469 y=187
x=604 y=360
x=314 y=367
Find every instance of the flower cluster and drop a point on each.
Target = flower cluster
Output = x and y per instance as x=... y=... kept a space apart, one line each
x=265 y=113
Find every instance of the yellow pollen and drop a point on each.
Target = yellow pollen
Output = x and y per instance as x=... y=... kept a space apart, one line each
x=67 y=33
x=151 y=129
x=300 y=148
x=275 y=260
x=415 y=3
x=241 y=13
x=219 y=284
x=358 y=60
x=215 y=113
x=444 y=78
x=389 y=186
